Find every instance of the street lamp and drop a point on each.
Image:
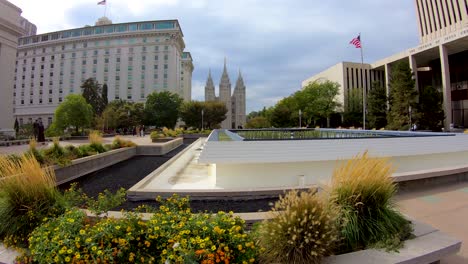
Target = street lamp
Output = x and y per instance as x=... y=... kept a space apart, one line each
x=202 y=112
x=300 y=115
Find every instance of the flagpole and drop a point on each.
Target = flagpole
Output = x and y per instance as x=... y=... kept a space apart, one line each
x=364 y=91
x=105 y=9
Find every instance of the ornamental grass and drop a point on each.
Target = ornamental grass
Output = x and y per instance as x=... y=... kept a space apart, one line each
x=303 y=229
x=27 y=195
x=363 y=190
x=121 y=143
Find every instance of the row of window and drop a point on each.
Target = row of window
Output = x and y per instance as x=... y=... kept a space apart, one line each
x=107 y=29
x=95 y=53
x=436 y=15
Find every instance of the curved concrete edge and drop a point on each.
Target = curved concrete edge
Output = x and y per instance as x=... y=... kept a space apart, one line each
x=212 y=194
x=155 y=149
x=424 y=249
x=431 y=173
x=133 y=191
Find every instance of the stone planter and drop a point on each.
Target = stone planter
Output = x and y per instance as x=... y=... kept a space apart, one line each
x=161 y=140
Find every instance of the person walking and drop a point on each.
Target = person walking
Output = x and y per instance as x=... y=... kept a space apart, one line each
x=36 y=129
x=142 y=131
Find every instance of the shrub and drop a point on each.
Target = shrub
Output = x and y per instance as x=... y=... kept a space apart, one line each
x=363 y=190
x=106 y=201
x=172 y=235
x=95 y=137
x=27 y=195
x=121 y=143
x=155 y=135
x=33 y=151
x=56 y=154
x=303 y=229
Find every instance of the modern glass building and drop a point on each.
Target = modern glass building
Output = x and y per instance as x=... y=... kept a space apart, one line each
x=133 y=59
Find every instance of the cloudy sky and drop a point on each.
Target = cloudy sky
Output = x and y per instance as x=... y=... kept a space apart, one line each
x=276 y=43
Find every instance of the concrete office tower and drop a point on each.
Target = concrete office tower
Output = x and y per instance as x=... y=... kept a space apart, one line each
x=186 y=76
x=440 y=60
x=439 y=18
x=235 y=103
x=29 y=29
x=10 y=30
x=238 y=103
x=133 y=59
x=225 y=96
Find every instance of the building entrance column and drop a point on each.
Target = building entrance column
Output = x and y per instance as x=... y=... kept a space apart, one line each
x=414 y=68
x=446 y=87
x=388 y=71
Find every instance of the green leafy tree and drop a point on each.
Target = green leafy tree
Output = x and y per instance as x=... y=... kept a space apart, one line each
x=214 y=113
x=190 y=113
x=162 y=109
x=281 y=116
x=120 y=114
x=319 y=100
x=403 y=97
x=74 y=112
x=430 y=109
x=92 y=92
x=353 y=111
x=377 y=106
x=258 y=122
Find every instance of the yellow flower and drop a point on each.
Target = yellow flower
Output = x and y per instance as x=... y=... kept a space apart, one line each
x=82 y=232
x=77 y=256
x=117 y=227
x=56 y=259
x=69 y=251
x=94 y=248
x=239 y=247
x=213 y=247
x=67 y=259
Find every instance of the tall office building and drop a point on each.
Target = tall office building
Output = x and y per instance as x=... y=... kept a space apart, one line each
x=10 y=30
x=133 y=59
x=235 y=102
x=29 y=29
x=440 y=60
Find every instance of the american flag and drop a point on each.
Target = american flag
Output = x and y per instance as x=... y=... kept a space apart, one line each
x=103 y=2
x=356 y=42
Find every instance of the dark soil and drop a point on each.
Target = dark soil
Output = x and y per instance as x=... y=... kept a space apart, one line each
x=127 y=173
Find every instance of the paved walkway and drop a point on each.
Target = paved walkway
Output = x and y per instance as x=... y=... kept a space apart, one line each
x=444 y=207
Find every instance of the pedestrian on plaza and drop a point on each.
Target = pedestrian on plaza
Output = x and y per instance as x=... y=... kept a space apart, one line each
x=133 y=131
x=40 y=134
x=142 y=131
x=35 y=129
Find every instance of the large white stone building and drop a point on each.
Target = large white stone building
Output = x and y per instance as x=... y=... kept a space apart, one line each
x=441 y=59
x=235 y=102
x=133 y=59
x=10 y=30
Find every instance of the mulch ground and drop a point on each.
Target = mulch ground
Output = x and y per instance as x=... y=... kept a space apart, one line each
x=127 y=173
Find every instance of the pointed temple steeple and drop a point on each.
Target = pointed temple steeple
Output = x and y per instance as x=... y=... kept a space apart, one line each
x=210 y=89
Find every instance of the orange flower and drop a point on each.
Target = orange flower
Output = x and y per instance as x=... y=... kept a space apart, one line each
x=199 y=252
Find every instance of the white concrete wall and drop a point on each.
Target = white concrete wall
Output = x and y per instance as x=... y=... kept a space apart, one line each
x=9 y=33
x=268 y=175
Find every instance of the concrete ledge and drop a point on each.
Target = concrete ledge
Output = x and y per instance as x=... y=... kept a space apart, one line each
x=211 y=194
x=433 y=177
x=425 y=249
x=157 y=149
x=86 y=165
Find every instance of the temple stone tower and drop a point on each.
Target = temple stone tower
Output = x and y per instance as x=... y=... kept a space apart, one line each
x=210 y=89
x=235 y=103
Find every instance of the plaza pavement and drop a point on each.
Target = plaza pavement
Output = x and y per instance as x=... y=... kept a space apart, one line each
x=444 y=207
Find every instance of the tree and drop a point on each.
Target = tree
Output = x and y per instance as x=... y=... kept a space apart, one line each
x=319 y=100
x=377 y=106
x=214 y=114
x=281 y=116
x=403 y=97
x=120 y=114
x=190 y=113
x=430 y=109
x=74 y=112
x=353 y=112
x=258 y=122
x=93 y=95
x=162 y=109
